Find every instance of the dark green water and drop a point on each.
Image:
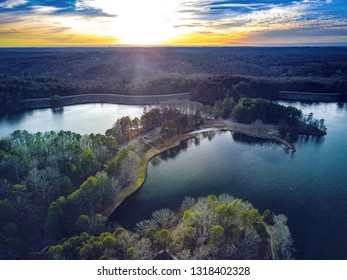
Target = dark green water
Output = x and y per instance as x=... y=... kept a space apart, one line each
x=309 y=186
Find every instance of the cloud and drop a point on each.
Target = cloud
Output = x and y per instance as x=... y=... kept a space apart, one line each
x=216 y=22
x=45 y=9
x=9 y=4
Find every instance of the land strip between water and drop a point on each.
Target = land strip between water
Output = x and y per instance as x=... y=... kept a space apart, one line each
x=40 y=103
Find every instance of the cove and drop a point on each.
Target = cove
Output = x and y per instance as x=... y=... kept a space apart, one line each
x=309 y=186
x=82 y=118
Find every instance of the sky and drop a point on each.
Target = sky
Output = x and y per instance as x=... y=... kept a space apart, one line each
x=25 y=23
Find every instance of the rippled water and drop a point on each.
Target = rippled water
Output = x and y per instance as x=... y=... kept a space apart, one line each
x=309 y=186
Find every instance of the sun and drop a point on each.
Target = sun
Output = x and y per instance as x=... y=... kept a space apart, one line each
x=138 y=22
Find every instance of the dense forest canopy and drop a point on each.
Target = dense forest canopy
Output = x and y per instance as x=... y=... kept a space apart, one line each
x=207 y=228
x=50 y=180
x=37 y=169
x=288 y=119
x=209 y=73
x=249 y=110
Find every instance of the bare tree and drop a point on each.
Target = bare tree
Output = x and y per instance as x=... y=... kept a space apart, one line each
x=144 y=249
x=142 y=227
x=129 y=168
x=164 y=218
x=282 y=237
x=187 y=203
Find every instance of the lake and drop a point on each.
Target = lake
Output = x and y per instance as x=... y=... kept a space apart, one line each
x=84 y=118
x=309 y=186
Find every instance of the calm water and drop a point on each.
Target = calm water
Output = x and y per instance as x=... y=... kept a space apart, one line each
x=84 y=118
x=309 y=186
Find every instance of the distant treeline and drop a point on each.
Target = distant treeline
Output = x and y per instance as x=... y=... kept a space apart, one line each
x=211 y=89
x=205 y=90
x=209 y=73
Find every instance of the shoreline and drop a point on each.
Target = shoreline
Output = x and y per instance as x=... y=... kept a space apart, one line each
x=108 y=98
x=142 y=173
x=175 y=142
x=249 y=130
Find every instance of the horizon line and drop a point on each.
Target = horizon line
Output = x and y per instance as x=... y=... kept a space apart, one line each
x=343 y=45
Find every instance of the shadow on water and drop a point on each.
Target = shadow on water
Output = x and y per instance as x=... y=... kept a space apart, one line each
x=16 y=118
x=155 y=161
x=209 y=134
x=58 y=110
x=244 y=139
x=196 y=141
x=237 y=137
x=304 y=139
x=170 y=154
x=174 y=152
x=184 y=145
x=294 y=139
x=341 y=106
x=254 y=141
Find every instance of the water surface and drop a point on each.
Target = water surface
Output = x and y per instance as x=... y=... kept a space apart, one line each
x=309 y=186
x=83 y=118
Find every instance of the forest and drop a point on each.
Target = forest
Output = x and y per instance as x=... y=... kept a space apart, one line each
x=289 y=119
x=56 y=189
x=209 y=74
x=47 y=177
x=205 y=228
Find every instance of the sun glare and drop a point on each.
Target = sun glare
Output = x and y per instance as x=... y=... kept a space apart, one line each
x=147 y=23
x=141 y=22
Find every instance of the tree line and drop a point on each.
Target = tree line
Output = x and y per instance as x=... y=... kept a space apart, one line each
x=209 y=73
x=289 y=118
x=37 y=169
x=173 y=117
x=52 y=183
x=207 y=90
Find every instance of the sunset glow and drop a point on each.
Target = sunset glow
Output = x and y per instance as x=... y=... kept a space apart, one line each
x=172 y=22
